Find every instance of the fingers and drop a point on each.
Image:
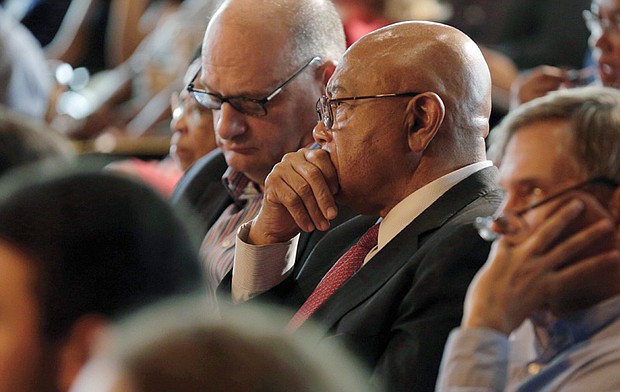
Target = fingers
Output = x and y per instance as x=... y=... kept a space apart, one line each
x=584 y=284
x=304 y=183
x=548 y=232
x=582 y=244
x=537 y=83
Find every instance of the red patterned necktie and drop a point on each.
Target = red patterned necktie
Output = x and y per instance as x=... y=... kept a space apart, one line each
x=344 y=268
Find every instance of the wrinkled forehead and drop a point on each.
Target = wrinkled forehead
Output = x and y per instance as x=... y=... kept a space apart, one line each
x=360 y=74
x=244 y=56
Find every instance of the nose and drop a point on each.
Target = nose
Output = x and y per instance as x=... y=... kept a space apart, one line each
x=600 y=40
x=228 y=122
x=178 y=122
x=321 y=135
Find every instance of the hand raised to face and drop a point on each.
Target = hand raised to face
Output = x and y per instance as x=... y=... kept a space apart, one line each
x=547 y=268
x=298 y=196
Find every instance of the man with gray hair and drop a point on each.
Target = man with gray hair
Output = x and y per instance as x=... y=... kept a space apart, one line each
x=264 y=65
x=544 y=311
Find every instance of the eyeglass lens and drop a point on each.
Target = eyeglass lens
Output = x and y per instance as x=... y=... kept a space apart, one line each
x=324 y=112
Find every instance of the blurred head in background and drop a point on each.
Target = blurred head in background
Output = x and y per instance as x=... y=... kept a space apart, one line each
x=78 y=249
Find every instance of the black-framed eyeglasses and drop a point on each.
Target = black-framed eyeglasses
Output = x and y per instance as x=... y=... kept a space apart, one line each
x=248 y=106
x=491 y=228
x=325 y=106
x=597 y=24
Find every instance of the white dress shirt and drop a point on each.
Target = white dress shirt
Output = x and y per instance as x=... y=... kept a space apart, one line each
x=258 y=268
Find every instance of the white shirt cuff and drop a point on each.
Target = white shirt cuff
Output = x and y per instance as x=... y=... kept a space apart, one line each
x=258 y=268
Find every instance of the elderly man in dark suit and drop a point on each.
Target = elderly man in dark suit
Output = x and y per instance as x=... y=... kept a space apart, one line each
x=402 y=129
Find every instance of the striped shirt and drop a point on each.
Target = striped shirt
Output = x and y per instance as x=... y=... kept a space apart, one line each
x=218 y=247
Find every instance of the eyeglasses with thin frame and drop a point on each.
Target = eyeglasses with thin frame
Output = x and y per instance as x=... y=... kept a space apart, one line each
x=249 y=106
x=597 y=24
x=325 y=106
x=491 y=228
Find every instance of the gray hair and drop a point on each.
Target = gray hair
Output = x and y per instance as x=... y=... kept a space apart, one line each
x=594 y=115
x=316 y=29
x=178 y=345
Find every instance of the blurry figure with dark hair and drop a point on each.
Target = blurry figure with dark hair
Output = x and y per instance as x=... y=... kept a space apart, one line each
x=193 y=137
x=24 y=141
x=176 y=347
x=77 y=250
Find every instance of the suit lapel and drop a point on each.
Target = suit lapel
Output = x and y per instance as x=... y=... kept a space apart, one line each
x=402 y=248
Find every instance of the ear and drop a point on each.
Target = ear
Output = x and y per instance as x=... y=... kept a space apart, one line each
x=77 y=348
x=425 y=114
x=325 y=71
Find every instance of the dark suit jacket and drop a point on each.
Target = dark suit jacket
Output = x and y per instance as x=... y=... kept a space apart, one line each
x=201 y=189
x=396 y=312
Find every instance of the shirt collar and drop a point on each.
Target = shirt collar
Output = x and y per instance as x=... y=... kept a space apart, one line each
x=413 y=205
x=240 y=187
x=563 y=333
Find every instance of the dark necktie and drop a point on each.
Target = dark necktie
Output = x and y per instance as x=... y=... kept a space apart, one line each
x=344 y=268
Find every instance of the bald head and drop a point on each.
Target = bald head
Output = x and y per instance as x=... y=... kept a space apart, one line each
x=425 y=56
x=307 y=28
x=251 y=49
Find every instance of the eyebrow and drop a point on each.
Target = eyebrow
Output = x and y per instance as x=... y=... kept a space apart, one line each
x=244 y=94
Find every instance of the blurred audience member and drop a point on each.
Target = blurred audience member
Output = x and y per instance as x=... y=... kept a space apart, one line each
x=24 y=141
x=25 y=82
x=192 y=138
x=176 y=347
x=193 y=135
x=78 y=249
x=134 y=96
x=555 y=263
x=603 y=21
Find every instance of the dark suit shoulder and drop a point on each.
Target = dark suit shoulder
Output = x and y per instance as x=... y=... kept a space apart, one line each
x=207 y=169
x=201 y=189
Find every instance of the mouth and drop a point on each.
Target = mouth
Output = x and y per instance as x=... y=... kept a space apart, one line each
x=181 y=152
x=238 y=149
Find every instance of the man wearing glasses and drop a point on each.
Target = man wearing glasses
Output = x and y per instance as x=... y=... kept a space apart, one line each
x=264 y=65
x=401 y=129
x=555 y=260
x=603 y=21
